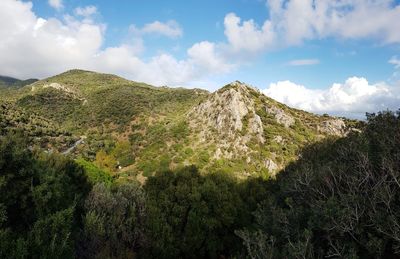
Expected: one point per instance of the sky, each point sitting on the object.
(340, 57)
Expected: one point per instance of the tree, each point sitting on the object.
(191, 215)
(41, 198)
(114, 221)
(341, 199)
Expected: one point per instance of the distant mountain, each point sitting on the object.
(141, 129)
(6, 82)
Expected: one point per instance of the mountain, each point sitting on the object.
(80, 100)
(6, 82)
(141, 129)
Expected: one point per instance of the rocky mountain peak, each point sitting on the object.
(225, 109)
(228, 118)
(239, 122)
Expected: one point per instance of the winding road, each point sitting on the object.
(69, 150)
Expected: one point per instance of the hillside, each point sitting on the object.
(141, 129)
(80, 100)
(10, 82)
(39, 130)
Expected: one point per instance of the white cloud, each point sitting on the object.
(56, 4)
(86, 11)
(352, 98)
(291, 22)
(303, 62)
(395, 61)
(247, 35)
(169, 29)
(205, 55)
(32, 46)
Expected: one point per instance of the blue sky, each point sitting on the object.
(203, 20)
(294, 44)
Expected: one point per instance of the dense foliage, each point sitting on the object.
(41, 199)
(10, 82)
(193, 215)
(341, 199)
(114, 222)
(40, 130)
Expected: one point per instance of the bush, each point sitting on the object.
(114, 221)
(41, 198)
(192, 216)
(339, 200)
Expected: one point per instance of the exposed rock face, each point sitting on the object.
(280, 116)
(229, 120)
(59, 87)
(225, 110)
(335, 127)
(256, 127)
(63, 88)
(228, 127)
(270, 165)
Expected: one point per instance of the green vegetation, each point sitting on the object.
(87, 99)
(95, 175)
(41, 131)
(114, 222)
(192, 215)
(147, 129)
(127, 189)
(10, 82)
(339, 200)
(41, 200)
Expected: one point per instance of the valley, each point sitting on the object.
(247, 129)
(236, 129)
(103, 167)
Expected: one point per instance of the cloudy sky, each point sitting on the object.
(326, 56)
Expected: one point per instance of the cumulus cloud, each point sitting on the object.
(56, 4)
(291, 22)
(206, 55)
(169, 29)
(247, 35)
(352, 98)
(303, 62)
(32, 46)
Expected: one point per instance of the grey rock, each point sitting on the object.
(336, 127)
(280, 116)
(270, 165)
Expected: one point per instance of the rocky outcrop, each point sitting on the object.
(271, 166)
(71, 93)
(225, 110)
(256, 127)
(280, 116)
(229, 120)
(336, 127)
(238, 123)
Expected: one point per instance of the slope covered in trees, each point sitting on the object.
(10, 82)
(134, 130)
(339, 200)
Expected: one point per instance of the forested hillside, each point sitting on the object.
(133, 129)
(340, 199)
